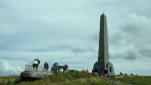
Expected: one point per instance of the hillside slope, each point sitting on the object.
(76, 78)
(69, 78)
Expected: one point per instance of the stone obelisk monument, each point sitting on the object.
(103, 65)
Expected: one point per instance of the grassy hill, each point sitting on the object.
(75, 78)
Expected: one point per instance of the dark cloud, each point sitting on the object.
(80, 50)
(77, 51)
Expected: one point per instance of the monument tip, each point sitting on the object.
(103, 14)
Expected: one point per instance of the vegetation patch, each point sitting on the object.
(76, 78)
(135, 80)
(69, 78)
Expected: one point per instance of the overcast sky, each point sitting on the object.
(67, 31)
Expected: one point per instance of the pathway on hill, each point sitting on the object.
(118, 82)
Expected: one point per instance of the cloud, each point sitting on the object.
(68, 31)
(132, 38)
(7, 69)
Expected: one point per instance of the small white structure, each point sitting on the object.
(34, 73)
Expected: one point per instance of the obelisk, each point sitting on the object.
(103, 65)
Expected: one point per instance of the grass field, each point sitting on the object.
(75, 78)
(135, 80)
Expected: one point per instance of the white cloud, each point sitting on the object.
(9, 69)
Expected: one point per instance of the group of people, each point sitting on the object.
(55, 68)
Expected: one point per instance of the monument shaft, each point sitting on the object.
(103, 55)
(103, 65)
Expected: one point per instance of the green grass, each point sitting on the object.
(8, 80)
(135, 80)
(75, 78)
(69, 78)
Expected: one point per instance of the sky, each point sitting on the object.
(66, 31)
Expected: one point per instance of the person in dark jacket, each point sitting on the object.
(95, 72)
(65, 68)
(55, 67)
(46, 66)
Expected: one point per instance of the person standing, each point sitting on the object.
(87, 71)
(46, 66)
(55, 67)
(102, 75)
(65, 68)
(35, 64)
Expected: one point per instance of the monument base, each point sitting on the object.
(106, 68)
